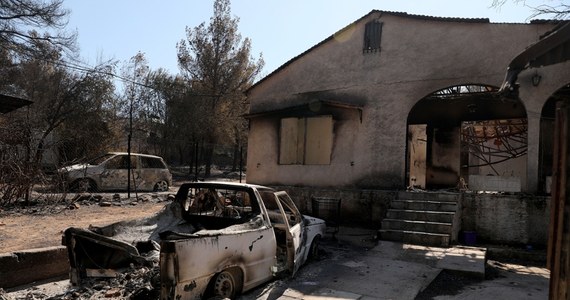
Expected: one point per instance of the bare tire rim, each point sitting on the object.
(84, 185)
(224, 285)
(161, 186)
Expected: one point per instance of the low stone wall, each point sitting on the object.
(516, 219)
(23, 267)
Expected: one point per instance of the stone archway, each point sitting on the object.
(546, 138)
(463, 132)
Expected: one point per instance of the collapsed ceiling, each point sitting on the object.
(453, 105)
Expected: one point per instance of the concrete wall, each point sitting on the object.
(418, 56)
(28, 266)
(507, 219)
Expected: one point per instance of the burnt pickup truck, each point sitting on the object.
(215, 239)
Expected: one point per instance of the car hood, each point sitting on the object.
(75, 167)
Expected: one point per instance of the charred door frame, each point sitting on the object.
(451, 106)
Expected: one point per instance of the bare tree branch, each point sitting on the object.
(558, 12)
(20, 18)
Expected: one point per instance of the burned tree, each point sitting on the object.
(560, 11)
(218, 66)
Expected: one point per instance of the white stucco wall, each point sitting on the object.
(418, 56)
(554, 77)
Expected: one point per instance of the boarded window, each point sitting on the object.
(319, 141)
(306, 140)
(291, 138)
(372, 36)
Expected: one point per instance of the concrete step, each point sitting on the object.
(420, 215)
(424, 205)
(415, 237)
(424, 226)
(429, 196)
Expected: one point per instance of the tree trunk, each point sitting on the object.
(236, 158)
(208, 155)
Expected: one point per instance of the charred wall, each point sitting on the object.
(359, 207)
(443, 164)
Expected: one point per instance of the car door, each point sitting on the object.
(138, 180)
(152, 171)
(115, 174)
(296, 237)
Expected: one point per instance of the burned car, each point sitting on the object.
(111, 172)
(215, 239)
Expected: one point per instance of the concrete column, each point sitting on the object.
(533, 137)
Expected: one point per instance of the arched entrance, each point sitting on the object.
(546, 139)
(463, 134)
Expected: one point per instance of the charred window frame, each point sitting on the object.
(152, 163)
(242, 200)
(306, 141)
(372, 36)
(121, 162)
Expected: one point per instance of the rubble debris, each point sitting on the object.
(86, 197)
(135, 283)
(138, 282)
(3, 294)
(73, 206)
(31, 294)
(114, 292)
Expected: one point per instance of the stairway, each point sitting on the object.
(423, 218)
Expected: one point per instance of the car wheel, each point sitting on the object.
(314, 249)
(227, 284)
(161, 186)
(84, 185)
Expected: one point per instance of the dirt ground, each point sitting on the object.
(41, 225)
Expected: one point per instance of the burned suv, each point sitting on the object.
(110, 172)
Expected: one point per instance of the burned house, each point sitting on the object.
(395, 101)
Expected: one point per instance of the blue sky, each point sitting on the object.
(280, 30)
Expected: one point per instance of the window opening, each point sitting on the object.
(372, 36)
